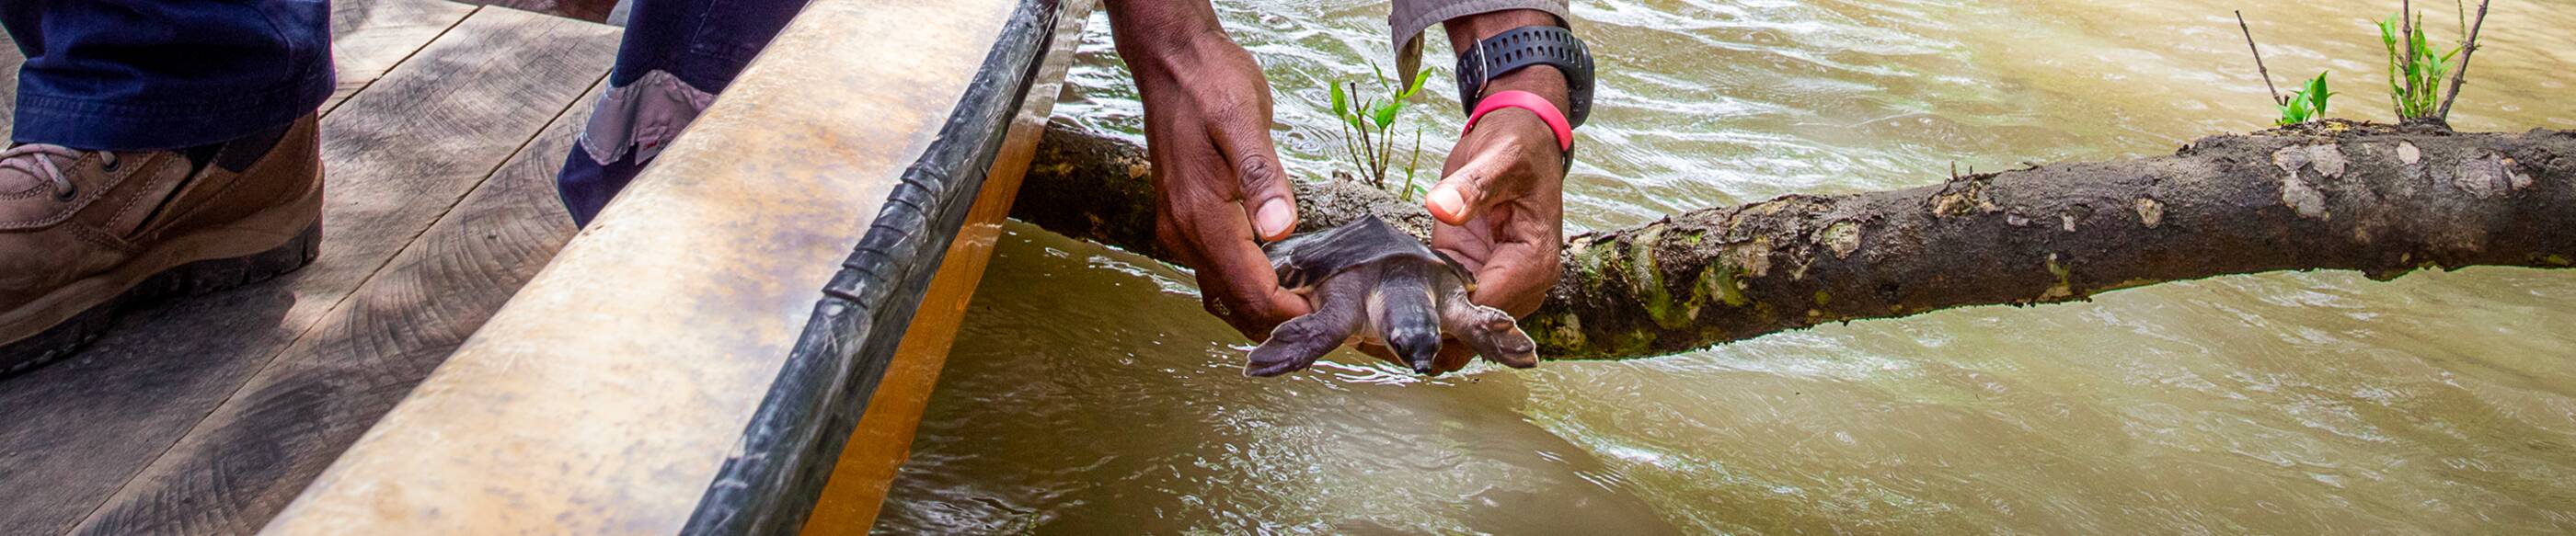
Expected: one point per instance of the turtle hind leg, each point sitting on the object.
(1295, 345)
(1491, 332)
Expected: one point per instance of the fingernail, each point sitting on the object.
(1274, 218)
(1447, 201)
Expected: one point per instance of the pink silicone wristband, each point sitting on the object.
(1527, 101)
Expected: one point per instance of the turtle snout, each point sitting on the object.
(1418, 346)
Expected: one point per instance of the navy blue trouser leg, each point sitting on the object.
(677, 55)
(165, 74)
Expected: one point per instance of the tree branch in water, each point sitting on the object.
(2379, 199)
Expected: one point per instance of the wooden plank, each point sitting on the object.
(606, 396)
(882, 441)
(397, 156)
(589, 10)
(244, 462)
(10, 59)
(368, 37)
(36, 439)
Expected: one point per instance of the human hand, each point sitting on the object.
(1217, 174)
(1500, 212)
(1501, 199)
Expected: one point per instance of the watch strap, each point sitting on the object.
(1523, 47)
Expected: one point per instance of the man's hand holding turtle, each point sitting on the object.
(1217, 171)
(1222, 192)
(1501, 198)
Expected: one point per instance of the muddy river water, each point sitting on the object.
(1089, 394)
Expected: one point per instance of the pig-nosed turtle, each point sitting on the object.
(1369, 282)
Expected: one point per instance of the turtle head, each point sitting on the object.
(1409, 316)
(1418, 342)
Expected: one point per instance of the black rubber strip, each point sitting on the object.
(770, 485)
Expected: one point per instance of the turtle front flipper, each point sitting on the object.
(1295, 345)
(1491, 332)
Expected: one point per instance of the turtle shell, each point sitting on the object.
(1305, 260)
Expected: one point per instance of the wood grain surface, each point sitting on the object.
(397, 155)
(607, 394)
(370, 37)
(882, 441)
(244, 462)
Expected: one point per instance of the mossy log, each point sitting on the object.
(2383, 200)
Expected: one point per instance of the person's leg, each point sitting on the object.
(678, 54)
(163, 148)
(134, 74)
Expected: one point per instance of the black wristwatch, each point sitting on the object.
(1523, 47)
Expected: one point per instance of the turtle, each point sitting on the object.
(1369, 282)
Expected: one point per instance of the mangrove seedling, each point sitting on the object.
(2415, 70)
(2308, 103)
(1367, 126)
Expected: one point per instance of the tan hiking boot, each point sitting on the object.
(84, 234)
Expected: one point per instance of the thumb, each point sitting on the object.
(1266, 194)
(1460, 196)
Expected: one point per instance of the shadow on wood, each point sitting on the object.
(397, 156)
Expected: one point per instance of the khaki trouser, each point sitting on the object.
(1409, 18)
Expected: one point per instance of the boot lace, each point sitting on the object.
(32, 158)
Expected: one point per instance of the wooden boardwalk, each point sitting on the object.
(208, 415)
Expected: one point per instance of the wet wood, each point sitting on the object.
(397, 155)
(2337, 195)
(244, 462)
(605, 396)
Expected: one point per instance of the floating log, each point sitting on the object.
(2342, 195)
